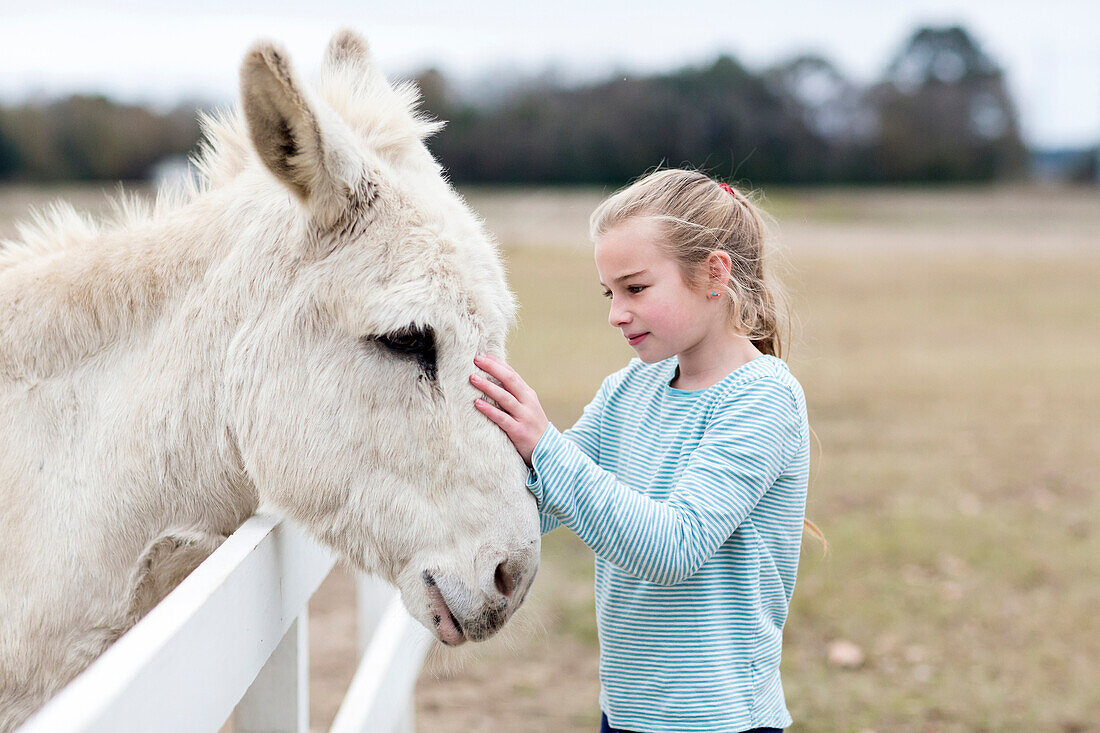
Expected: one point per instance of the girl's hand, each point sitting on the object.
(520, 415)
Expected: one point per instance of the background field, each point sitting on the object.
(949, 344)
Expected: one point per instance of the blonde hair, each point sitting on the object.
(701, 216)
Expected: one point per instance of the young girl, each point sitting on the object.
(687, 473)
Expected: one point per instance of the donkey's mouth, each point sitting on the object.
(446, 625)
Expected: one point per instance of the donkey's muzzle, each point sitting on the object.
(502, 586)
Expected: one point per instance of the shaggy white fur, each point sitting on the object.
(296, 330)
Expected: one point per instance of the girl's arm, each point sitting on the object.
(742, 453)
(547, 522)
(584, 433)
(748, 443)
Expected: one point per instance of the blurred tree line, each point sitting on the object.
(91, 138)
(940, 112)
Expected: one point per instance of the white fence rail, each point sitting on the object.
(232, 641)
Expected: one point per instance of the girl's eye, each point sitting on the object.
(632, 289)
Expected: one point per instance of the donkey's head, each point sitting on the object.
(375, 288)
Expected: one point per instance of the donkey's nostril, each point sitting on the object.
(503, 580)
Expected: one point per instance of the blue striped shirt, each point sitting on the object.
(693, 502)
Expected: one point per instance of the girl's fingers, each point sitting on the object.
(503, 397)
(490, 366)
(508, 376)
(502, 419)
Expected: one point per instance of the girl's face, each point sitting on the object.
(658, 313)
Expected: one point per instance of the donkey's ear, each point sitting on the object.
(349, 49)
(315, 158)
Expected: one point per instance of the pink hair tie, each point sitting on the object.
(728, 189)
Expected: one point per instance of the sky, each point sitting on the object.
(159, 52)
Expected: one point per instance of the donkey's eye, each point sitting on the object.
(412, 342)
(402, 342)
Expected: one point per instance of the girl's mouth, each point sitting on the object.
(635, 340)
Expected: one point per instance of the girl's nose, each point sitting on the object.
(618, 316)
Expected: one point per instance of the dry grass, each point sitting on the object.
(949, 345)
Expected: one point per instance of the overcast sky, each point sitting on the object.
(160, 52)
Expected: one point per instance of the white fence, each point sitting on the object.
(232, 642)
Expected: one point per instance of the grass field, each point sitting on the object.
(949, 346)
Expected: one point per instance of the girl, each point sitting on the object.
(687, 473)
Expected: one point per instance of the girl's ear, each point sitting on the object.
(719, 267)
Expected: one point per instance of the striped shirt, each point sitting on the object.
(693, 503)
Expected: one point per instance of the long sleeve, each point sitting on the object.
(585, 434)
(751, 437)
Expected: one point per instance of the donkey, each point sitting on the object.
(296, 331)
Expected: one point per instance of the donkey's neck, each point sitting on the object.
(62, 308)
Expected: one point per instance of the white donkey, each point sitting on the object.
(296, 332)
